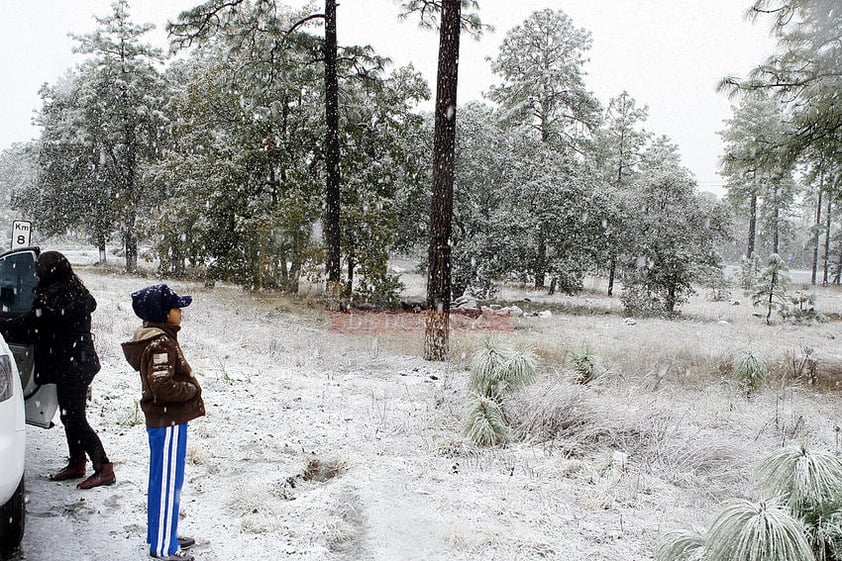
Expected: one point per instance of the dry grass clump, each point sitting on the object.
(579, 421)
(716, 468)
(544, 412)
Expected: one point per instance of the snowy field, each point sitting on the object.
(319, 446)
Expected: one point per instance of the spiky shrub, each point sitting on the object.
(495, 372)
(806, 480)
(809, 482)
(583, 363)
(764, 531)
(486, 423)
(683, 544)
(750, 372)
(803, 520)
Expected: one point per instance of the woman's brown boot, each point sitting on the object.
(75, 469)
(103, 475)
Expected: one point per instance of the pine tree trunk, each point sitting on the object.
(776, 224)
(441, 211)
(817, 229)
(130, 244)
(752, 225)
(540, 260)
(827, 231)
(349, 288)
(773, 283)
(332, 203)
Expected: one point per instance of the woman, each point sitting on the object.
(59, 325)
(171, 397)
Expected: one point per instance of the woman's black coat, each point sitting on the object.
(59, 325)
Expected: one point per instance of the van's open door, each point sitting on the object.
(17, 283)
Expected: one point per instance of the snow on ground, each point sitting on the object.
(319, 446)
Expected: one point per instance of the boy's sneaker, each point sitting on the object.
(177, 556)
(186, 542)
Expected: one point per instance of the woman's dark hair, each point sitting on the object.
(53, 267)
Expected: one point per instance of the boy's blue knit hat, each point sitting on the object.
(154, 303)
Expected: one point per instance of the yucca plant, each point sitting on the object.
(809, 482)
(584, 364)
(806, 480)
(495, 372)
(681, 544)
(764, 531)
(750, 372)
(485, 423)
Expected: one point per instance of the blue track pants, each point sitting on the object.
(167, 450)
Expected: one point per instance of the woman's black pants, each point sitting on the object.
(81, 438)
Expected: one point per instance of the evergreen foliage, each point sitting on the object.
(682, 544)
(799, 519)
(673, 241)
(750, 271)
(218, 163)
(770, 289)
(807, 481)
(485, 422)
(751, 373)
(496, 372)
(747, 531)
(583, 362)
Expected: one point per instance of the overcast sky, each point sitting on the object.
(668, 54)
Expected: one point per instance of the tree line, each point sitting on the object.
(221, 160)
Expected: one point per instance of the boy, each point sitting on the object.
(171, 397)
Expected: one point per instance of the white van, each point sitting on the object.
(21, 400)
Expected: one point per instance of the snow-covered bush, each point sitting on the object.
(640, 300)
(809, 483)
(751, 373)
(496, 371)
(770, 289)
(583, 362)
(799, 519)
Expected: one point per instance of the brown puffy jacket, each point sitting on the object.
(171, 394)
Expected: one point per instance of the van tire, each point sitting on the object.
(13, 520)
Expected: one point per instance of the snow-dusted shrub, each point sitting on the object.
(763, 531)
(749, 272)
(802, 309)
(809, 482)
(583, 362)
(485, 423)
(640, 300)
(806, 480)
(770, 289)
(800, 519)
(682, 544)
(743, 531)
(751, 373)
(496, 371)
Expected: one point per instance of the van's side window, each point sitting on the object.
(17, 283)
